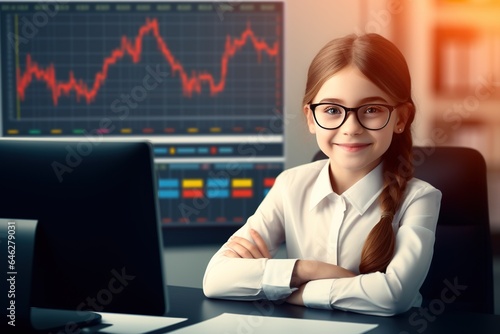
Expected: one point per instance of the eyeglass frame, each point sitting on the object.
(391, 108)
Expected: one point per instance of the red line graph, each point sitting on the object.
(191, 83)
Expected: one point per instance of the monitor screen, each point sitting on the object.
(201, 80)
(129, 68)
(98, 241)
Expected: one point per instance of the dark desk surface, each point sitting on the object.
(192, 304)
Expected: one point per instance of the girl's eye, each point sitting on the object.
(373, 110)
(333, 110)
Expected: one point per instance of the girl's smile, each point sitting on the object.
(354, 147)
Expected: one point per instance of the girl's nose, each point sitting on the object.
(351, 126)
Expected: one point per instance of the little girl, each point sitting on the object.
(359, 229)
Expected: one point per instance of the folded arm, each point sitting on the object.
(302, 272)
(396, 290)
(242, 271)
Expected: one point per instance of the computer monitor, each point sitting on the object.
(98, 240)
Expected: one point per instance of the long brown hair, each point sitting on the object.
(382, 63)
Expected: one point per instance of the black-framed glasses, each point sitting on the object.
(331, 116)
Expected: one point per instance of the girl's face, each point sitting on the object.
(352, 148)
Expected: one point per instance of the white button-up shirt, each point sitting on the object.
(302, 210)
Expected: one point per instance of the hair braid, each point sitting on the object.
(379, 246)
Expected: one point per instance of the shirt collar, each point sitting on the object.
(361, 194)
(322, 187)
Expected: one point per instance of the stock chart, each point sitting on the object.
(141, 68)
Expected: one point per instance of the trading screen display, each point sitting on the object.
(213, 193)
(140, 68)
(203, 80)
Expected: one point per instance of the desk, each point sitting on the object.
(192, 304)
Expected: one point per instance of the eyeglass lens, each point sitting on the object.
(370, 116)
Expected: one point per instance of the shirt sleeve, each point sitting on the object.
(396, 290)
(252, 279)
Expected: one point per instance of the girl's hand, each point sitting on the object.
(310, 270)
(296, 297)
(243, 248)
